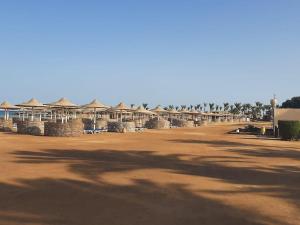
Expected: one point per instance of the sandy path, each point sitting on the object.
(179, 176)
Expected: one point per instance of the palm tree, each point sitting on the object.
(183, 107)
(246, 108)
(205, 105)
(217, 107)
(211, 107)
(231, 108)
(266, 109)
(145, 105)
(226, 106)
(238, 107)
(176, 107)
(132, 105)
(259, 107)
(171, 106)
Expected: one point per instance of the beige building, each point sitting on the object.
(286, 114)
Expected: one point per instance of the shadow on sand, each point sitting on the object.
(57, 201)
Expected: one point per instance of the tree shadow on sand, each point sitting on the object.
(63, 201)
(226, 144)
(278, 181)
(269, 153)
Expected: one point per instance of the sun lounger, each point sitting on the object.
(96, 131)
(139, 129)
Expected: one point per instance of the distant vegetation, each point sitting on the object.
(292, 103)
(257, 110)
(289, 130)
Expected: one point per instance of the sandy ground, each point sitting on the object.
(159, 177)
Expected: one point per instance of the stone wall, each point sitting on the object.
(140, 122)
(6, 125)
(101, 124)
(87, 123)
(72, 128)
(183, 123)
(156, 123)
(30, 127)
(121, 127)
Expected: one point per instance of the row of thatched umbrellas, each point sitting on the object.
(64, 106)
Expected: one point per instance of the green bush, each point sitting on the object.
(289, 130)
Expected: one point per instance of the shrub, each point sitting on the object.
(252, 129)
(289, 130)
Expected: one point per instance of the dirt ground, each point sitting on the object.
(158, 177)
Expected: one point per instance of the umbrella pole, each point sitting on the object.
(23, 115)
(94, 118)
(32, 114)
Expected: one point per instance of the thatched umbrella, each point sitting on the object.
(142, 111)
(33, 104)
(172, 112)
(7, 106)
(121, 107)
(95, 104)
(159, 110)
(193, 112)
(63, 104)
(183, 111)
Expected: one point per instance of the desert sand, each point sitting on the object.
(157, 177)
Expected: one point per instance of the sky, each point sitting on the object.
(149, 51)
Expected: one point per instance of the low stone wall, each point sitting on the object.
(6, 125)
(72, 128)
(101, 124)
(204, 122)
(121, 127)
(30, 127)
(87, 124)
(183, 123)
(140, 122)
(156, 123)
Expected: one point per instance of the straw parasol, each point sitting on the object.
(63, 104)
(33, 104)
(121, 107)
(193, 112)
(183, 111)
(95, 104)
(158, 109)
(7, 106)
(173, 111)
(142, 110)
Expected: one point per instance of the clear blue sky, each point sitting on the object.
(154, 51)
